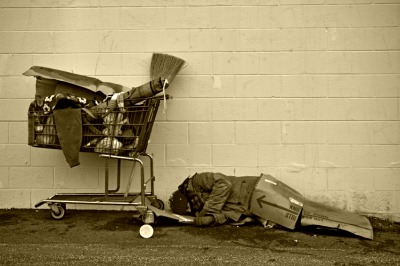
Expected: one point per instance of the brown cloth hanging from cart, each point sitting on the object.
(69, 132)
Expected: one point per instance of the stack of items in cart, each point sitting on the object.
(74, 112)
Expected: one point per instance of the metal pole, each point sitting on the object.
(118, 178)
(106, 179)
(152, 177)
(142, 184)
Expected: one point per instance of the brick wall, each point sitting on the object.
(307, 91)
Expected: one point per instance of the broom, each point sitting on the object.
(165, 66)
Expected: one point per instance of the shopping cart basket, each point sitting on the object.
(120, 133)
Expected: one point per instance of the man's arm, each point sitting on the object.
(217, 186)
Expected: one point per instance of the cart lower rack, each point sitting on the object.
(139, 200)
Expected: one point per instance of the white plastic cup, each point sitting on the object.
(146, 231)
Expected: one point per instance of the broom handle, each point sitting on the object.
(146, 90)
(164, 95)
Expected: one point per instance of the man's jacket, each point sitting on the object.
(224, 196)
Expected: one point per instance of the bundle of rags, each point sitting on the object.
(163, 69)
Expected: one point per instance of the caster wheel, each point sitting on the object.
(146, 231)
(57, 211)
(148, 217)
(159, 204)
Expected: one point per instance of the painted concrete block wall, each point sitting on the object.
(307, 91)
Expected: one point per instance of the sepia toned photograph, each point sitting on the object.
(200, 132)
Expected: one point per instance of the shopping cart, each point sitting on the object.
(120, 133)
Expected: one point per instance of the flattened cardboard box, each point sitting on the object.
(275, 201)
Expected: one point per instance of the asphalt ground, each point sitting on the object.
(86, 237)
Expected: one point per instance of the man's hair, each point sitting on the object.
(178, 202)
(195, 201)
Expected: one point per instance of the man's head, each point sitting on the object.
(178, 203)
(187, 189)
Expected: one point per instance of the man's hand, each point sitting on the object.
(204, 220)
(201, 213)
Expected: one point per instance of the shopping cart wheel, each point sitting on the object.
(159, 204)
(148, 217)
(57, 211)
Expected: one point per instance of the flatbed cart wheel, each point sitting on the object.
(57, 211)
(159, 204)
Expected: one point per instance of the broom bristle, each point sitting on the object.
(165, 66)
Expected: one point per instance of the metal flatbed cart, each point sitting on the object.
(121, 134)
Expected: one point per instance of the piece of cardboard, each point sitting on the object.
(90, 83)
(276, 202)
(318, 214)
(72, 78)
(169, 214)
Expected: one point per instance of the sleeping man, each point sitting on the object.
(214, 198)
